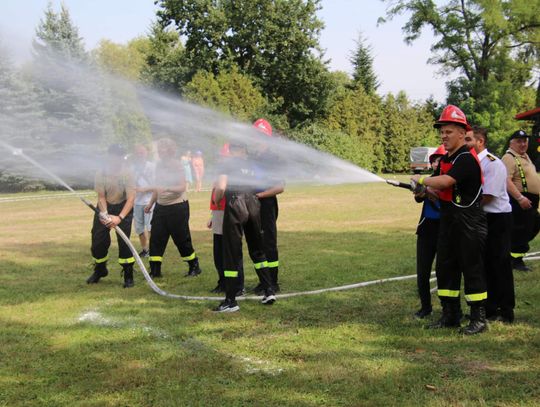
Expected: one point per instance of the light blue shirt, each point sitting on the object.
(495, 176)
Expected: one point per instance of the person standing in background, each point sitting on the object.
(427, 233)
(186, 163)
(197, 162)
(500, 302)
(523, 186)
(171, 212)
(144, 174)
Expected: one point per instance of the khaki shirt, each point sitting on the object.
(170, 175)
(531, 177)
(115, 187)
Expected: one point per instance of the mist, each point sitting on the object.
(65, 115)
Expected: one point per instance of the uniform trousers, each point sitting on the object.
(218, 263)
(426, 249)
(526, 225)
(498, 265)
(460, 250)
(171, 221)
(269, 215)
(242, 216)
(101, 237)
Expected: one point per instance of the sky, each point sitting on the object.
(397, 65)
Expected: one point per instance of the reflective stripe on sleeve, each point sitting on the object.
(517, 255)
(156, 258)
(273, 264)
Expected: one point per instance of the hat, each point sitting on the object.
(117, 149)
(518, 134)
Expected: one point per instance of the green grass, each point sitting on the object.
(64, 343)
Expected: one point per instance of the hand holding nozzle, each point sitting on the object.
(415, 187)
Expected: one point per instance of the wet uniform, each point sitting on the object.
(241, 216)
(116, 189)
(269, 216)
(171, 219)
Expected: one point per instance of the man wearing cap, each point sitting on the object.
(523, 186)
(495, 203)
(115, 188)
(463, 229)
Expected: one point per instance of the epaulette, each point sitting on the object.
(491, 157)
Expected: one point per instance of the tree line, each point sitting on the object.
(262, 58)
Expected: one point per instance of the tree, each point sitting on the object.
(57, 36)
(231, 92)
(489, 44)
(166, 65)
(275, 42)
(363, 72)
(127, 60)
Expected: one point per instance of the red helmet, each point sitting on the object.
(263, 126)
(453, 115)
(439, 152)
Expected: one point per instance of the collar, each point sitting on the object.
(517, 154)
(482, 154)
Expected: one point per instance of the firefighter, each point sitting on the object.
(463, 229)
(495, 203)
(267, 195)
(115, 188)
(237, 181)
(523, 186)
(427, 232)
(171, 212)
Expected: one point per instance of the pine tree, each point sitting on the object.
(363, 72)
(57, 36)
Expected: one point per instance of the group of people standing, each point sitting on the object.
(243, 202)
(478, 217)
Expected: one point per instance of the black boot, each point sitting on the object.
(477, 323)
(100, 270)
(155, 269)
(194, 269)
(450, 318)
(259, 288)
(274, 278)
(128, 276)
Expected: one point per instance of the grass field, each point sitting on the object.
(64, 343)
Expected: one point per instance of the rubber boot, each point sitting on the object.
(155, 269)
(100, 270)
(259, 288)
(128, 276)
(274, 278)
(194, 269)
(450, 318)
(477, 323)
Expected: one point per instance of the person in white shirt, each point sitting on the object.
(144, 173)
(500, 302)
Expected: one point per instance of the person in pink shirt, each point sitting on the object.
(197, 163)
